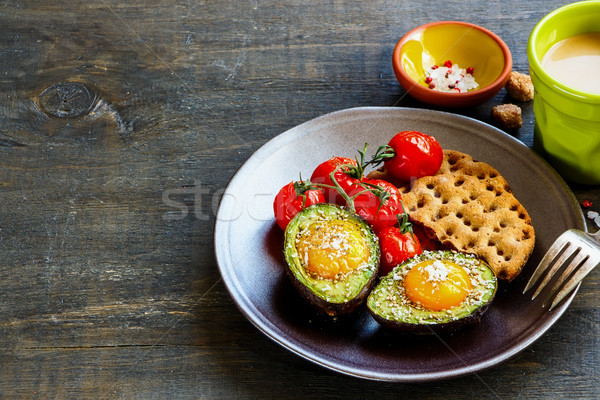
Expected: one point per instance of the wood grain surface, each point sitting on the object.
(108, 283)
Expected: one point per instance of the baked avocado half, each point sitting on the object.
(434, 292)
(332, 257)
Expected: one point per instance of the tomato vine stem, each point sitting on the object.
(357, 171)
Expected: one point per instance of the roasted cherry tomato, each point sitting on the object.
(416, 154)
(397, 243)
(293, 198)
(378, 202)
(427, 243)
(344, 175)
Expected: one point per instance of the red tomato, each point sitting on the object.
(416, 154)
(293, 198)
(396, 247)
(379, 203)
(426, 242)
(343, 176)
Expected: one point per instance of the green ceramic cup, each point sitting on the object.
(567, 120)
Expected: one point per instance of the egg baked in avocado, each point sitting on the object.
(332, 257)
(433, 292)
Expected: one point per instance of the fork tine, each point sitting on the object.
(589, 264)
(578, 252)
(566, 254)
(555, 250)
(580, 258)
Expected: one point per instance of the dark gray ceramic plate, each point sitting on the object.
(248, 248)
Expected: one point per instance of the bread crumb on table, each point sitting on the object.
(507, 116)
(519, 86)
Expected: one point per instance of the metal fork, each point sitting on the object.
(576, 253)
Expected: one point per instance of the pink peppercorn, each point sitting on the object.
(448, 64)
(470, 70)
(586, 204)
(431, 86)
(428, 79)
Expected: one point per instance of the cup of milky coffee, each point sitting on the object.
(564, 59)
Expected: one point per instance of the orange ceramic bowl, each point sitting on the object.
(465, 44)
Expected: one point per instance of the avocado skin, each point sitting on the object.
(325, 307)
(319, 303)
(430, 328)
(445, 327)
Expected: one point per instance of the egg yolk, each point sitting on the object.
(329, 249)
(437, 285)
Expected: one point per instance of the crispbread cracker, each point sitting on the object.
(468, 206)
(454, 161)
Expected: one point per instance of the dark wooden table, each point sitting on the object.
(108, 283)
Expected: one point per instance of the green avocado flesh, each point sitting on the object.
(332, 256)
(390, 305)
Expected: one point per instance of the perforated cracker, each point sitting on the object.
(453, 161)
(468, 206)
